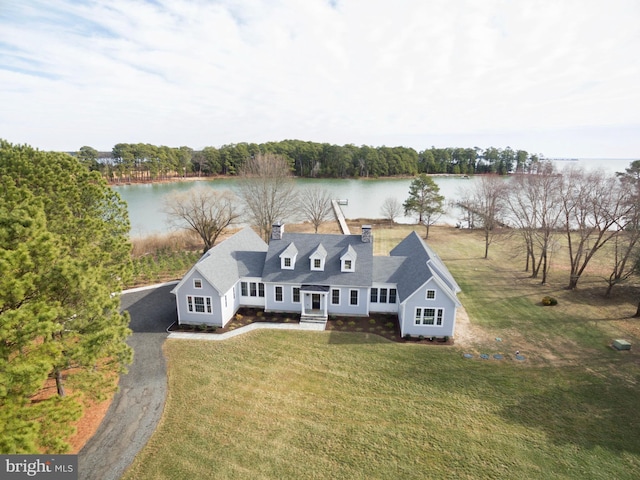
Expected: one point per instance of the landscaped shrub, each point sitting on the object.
(407, 336)
(390, 325)
(239, 317)
(339, 323)
(372, 321)
(351, 323)
(420, 337)
(549, 301)
(259, 313)
(202, 327)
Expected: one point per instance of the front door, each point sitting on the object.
(315, 301)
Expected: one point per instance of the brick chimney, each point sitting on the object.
(277, 230)
(366, 233)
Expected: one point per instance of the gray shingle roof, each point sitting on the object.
(241, 255)
(418, 264)
(307, 244)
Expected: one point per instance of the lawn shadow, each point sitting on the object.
(590, 415)
(337, 337)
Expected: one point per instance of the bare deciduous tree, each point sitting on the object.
(594, 208)
(268, 191)
(486, 201)
(534, 206)
(206, 211)
(391, 209)
(315, 205)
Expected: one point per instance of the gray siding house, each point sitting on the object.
(317, 275)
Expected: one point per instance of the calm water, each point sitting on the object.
(365, 196)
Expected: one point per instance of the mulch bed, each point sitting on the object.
(379, 324)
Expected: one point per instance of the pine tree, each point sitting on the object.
(424, 201)
(63, 251)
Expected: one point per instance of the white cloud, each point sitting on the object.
(202, 73)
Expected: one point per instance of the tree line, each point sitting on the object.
(590, 209)
(145, 162)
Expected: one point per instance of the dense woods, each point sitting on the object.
(143, 162)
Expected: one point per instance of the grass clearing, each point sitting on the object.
(273, 404)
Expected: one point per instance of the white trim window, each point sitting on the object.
(197, 304)
(197, 283)
(383, 295)
(278, 294)
(335, 296)
(295, 294)
(251, 289)
(431, 294)
(353, 298)
(393, 295)
(432, 317)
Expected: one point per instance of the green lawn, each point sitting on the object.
(277, 405)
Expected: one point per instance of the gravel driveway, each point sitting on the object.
(137, 406)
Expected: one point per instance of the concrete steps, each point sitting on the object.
(316, 319)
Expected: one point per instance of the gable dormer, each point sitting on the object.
(288, 257)
(348, 260)
(317, 258)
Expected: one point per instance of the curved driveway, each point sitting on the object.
(137, 406)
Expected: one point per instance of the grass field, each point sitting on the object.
(339, 405)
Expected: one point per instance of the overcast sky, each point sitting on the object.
(556, 77)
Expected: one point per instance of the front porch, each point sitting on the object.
(314, 304)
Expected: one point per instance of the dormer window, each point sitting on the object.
(317, 258)
(348, 260)
(288, 257)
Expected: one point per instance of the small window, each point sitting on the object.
(317, 263)
(244, 289)
(296, 294)
(353, 297)
(197, 283)
(374, 295)
(261, 290)
(253, 290)
(383, 295)
(347, 264)
(287, 262)
(278, 293)
(393, 295)
(335, 297)
(431, 294)
(418, 316)
(439, 318)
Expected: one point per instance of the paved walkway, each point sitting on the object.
(316, 327)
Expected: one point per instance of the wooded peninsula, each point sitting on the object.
(142, 162)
